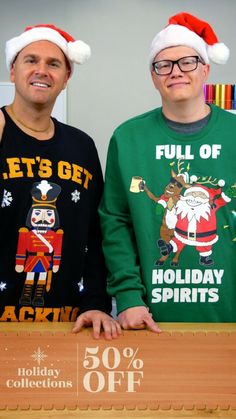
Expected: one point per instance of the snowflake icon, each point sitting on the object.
(38, 356)
(75, 196)
(3, 286)
(7, 199)
(81, 285)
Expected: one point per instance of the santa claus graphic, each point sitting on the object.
(196, 223)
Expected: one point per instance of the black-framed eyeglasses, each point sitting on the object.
(185, 64)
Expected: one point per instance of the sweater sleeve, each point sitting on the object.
(119, 244)
(94, 295)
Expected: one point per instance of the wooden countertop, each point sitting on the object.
(67, 326)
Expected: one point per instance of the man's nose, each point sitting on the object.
(176, 70)
(41, 68)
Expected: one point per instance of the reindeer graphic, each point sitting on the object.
(166, 205)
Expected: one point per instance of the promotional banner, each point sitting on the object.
(140, 369)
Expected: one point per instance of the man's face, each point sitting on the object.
(180, 86)
(40, 72)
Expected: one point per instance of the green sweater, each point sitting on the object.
(168, 217)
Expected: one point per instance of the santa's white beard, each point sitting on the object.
(184, 210)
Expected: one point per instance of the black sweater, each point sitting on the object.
(68, 160)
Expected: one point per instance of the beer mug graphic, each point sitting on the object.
(135, 185)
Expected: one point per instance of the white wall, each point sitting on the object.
(115, 83)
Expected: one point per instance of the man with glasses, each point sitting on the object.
(170, 250)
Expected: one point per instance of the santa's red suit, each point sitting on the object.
(39, 252)
(200, 233)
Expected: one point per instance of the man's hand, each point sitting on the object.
(137, 318)
(100, 321)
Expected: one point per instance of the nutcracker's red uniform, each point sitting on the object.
(39, 252)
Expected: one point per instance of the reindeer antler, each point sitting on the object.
(180, 165)
(202, 180)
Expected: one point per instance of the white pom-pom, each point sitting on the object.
(78, 52)
(193, 178)
(218, 53)
(221, 183)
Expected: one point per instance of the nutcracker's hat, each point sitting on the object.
(45, 194)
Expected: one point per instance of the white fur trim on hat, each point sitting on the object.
(76, 53)
(176, 35)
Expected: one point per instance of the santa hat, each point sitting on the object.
(185, 29)
(210, 193)
(75, 51)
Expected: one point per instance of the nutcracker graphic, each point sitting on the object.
(39, 244)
